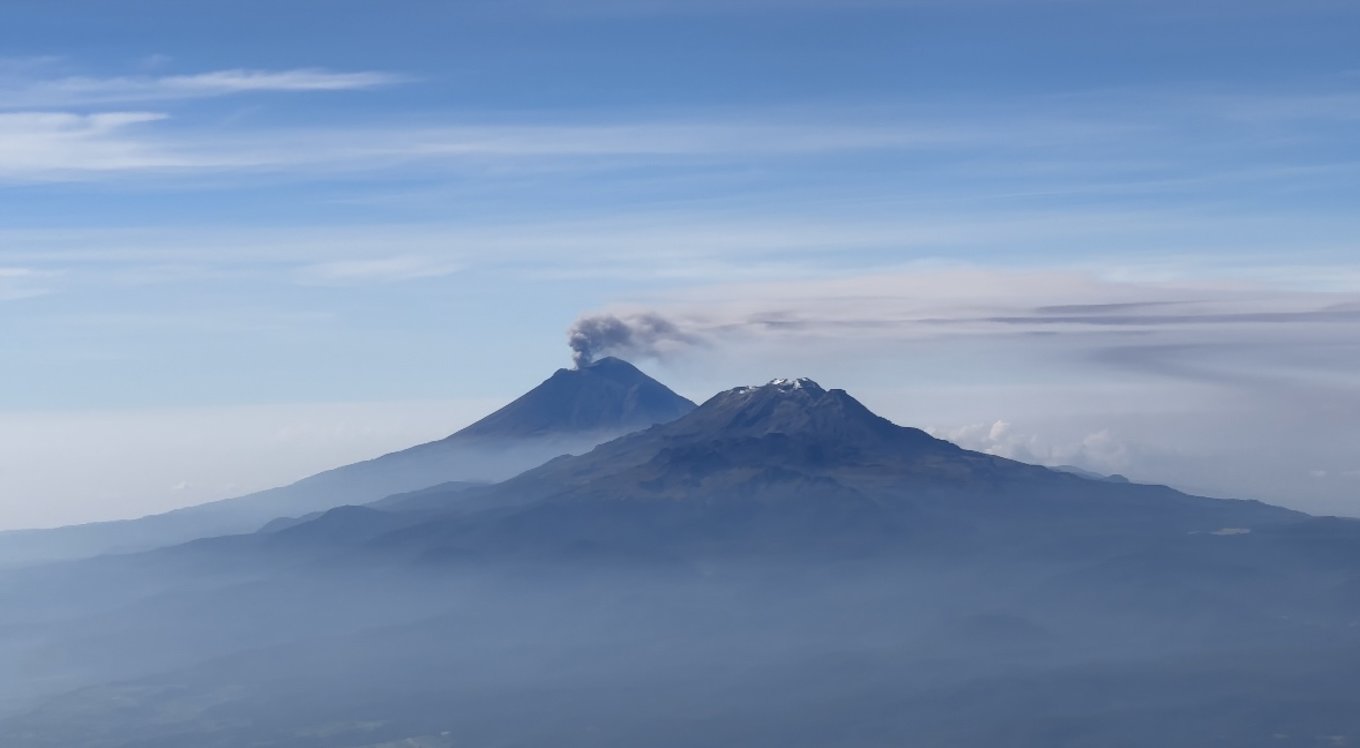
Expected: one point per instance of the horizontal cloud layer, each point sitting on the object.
(23, 89)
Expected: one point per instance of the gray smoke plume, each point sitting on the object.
(643, 335)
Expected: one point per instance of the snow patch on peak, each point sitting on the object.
(783, 385)
(800, 383)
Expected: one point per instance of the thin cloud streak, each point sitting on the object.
(22, 283)
(1156, 129)
(681, 248)
(100, 144)
(375, 270)
(25, 92)
(45, 146)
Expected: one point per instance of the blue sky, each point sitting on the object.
(241, 242)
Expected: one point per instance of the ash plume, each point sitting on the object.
(640, 335)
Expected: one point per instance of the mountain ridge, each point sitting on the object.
(789, 452)
(606, 394)
(571, 411)
(776, 535)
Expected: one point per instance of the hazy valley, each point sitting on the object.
(779, 566)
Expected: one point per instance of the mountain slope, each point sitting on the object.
(779, 567)
(608, 395)
(572, 411)
(802, 466)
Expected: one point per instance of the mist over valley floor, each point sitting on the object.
(778, 566)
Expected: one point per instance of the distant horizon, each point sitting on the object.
(435, 431)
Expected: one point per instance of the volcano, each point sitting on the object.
(790, 465)
(778, 567)
(572, 411)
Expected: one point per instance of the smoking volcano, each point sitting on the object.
(641, 335)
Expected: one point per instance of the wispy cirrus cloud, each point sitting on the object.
(22, 89)
(695, 248)
(41, 146)
(47, 144)
(48, 131)
(375, 270)
(22, 283)
(1154, 130)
